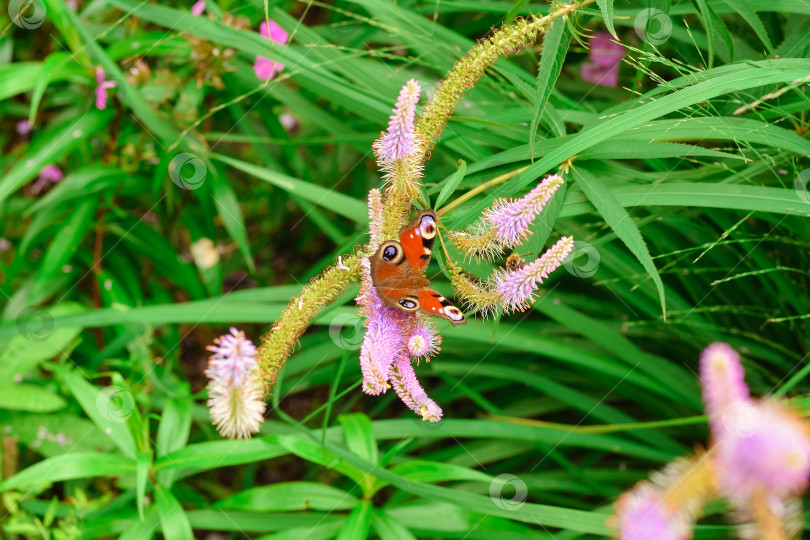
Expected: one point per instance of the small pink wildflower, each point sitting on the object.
(510, 219)
(102, 86)
(264, 67)
(198, 8)
(400, 141)
(50, 174)
(604, 59)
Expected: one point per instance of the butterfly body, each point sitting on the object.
(398, 271)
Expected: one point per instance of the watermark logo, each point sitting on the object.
(504, 485)
(583, 261)
(742, 419)
(347, 331)
(35, 325)
(115, 404)
(187, 171)
(653, 26)
(28, 14)
(800, 185)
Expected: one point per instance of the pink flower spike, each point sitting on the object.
(643, 515)
(264, 67)
(102, 86)
(400, 141)
(198, 8)
(723, 380)
(517, 287)
(604, 59)
(510, 219)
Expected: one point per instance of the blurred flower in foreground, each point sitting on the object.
(102, 86)
(50, 174)
(604, 59)
(235, 389)
(759, 460)
(264, 67)
(198, 8)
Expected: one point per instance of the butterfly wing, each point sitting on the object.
(435, 304)
(393, 279)
(417, 238)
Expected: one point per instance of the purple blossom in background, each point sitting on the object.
(400, 140)
(761, 448)
(198, 8)
(604, 59)
(23, 128)
(643, 515)
(510, 219)
(407, 387)
(234, 357)
(264, 67)
(517, 287)
(50, 174)
(102, 86)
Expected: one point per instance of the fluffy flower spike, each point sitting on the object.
(235, 390)
(507, 223)
(399, 142)
(516, 288)
(404, 381)
(643, 515)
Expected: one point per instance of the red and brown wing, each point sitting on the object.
(437, 305)
(416, 239)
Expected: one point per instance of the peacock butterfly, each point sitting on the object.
(398, 271)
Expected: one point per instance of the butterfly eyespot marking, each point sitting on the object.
(391, 252)
(409, 303)
(427, 227)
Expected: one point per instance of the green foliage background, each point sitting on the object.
(690, 206)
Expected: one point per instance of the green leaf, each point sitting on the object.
(312, 452)
(68, 467)
(622, 224)
(27, 397)
(108, 408)
(359, 436)
(388, 527)
(744, 9)
(327, 198)
(213, 454)
(606, 6)
(290, 496)
(552, 57)
(358, 523)
(65, 243)
(450, 186)
(173, 519)
(431, 472)
(142, 529)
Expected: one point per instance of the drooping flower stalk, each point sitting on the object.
(235, 390)
(407, 387)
